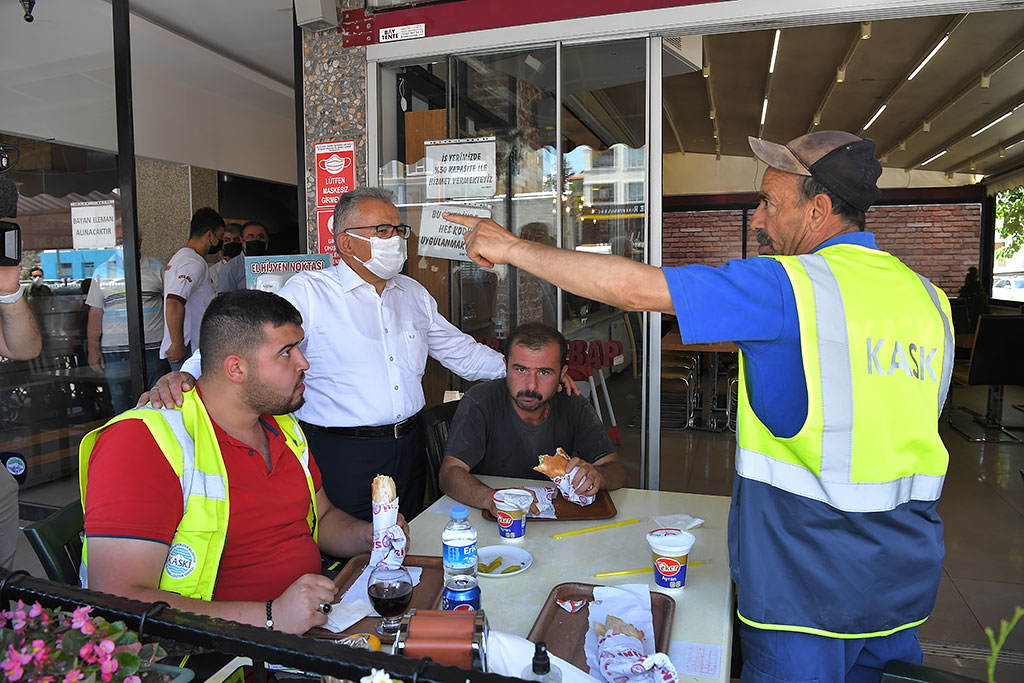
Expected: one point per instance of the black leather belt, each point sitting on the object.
(395, 431)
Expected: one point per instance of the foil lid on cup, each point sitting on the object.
(514, 497)
(671, 540)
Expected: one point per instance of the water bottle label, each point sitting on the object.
(460, 556)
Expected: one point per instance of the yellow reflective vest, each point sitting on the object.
(187, 440)
(837, 533)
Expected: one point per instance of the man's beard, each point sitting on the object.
(541, 401)
(256, 395)
(763, 239)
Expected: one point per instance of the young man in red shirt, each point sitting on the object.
(257, 559)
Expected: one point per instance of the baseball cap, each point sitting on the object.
(842, 162)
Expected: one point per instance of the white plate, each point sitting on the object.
(510, 557)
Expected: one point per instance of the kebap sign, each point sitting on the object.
(335, 171)
(443, 239)
(461, 169)
(93, 225)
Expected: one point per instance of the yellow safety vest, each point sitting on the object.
(877, 351)
(187, 439)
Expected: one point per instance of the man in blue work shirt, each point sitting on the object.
(835, 544)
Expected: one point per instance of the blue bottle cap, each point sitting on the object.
(459, 513)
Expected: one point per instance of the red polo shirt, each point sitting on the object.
(133, 493)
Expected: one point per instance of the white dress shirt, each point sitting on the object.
(367, 353)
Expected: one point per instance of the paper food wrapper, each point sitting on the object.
(545, 502)
(389, 541)
(622, 660)
(564, 484)
(630, 602)
(507, 654)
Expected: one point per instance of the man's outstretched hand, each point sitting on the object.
(487, 243)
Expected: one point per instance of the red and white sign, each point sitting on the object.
(335, 171)
(325, 234)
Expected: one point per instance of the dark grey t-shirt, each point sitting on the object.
(488, 435)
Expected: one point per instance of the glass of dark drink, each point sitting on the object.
(390, 591)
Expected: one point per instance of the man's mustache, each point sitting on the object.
(529, 394)
(763, 238)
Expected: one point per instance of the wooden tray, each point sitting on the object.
(425, 595)
(564, 633)
(601, 508)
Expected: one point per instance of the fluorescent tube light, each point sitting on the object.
(877, 114)
(925, 163)
(928, 58)
(764, 110)
(775, 51)
(982, 130)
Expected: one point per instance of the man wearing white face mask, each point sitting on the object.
(369, 331)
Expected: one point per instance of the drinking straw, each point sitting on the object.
(641, 570)
(596, 528)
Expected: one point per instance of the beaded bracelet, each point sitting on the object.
(270, 615)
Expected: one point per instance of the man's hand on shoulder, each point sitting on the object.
(168, 390)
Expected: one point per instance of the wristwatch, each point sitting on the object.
(13, 296)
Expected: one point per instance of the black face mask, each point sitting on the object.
(216, 248)
(232, 249)
(255, 248)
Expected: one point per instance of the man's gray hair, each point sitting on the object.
(347, 205)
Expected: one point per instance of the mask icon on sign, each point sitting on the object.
(335, 164)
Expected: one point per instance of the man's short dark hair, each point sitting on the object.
(34, 269)
(203, 221)
(535, 336)
(249, 224)
(348, 202)
(233, 323)
(233, 228)
(810, 187)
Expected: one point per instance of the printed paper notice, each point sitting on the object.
(93, 225)
(269, 273)
(695, 659)
(442, 239)
(460, 169)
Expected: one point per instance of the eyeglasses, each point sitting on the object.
(386, 230)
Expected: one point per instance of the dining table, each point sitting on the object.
(702, 627)
(709, 355)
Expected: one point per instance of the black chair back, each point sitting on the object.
(996, 357)
(960, 318)
(57, 541)
(436, 421)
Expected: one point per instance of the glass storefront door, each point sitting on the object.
(566, 130)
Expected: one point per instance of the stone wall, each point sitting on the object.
(168, 194)
(939, 241)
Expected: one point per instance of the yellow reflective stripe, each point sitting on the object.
(827, 634)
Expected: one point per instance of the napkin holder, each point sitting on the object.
(456, 638)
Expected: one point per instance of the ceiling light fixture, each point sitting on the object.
(775, 51)
(982, 130)
(928, 58)
(840, 75)
(877, 114)
(925, 163)
(764, 110)
(706, 71)
(865, 30)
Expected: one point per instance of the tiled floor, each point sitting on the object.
(982, 506)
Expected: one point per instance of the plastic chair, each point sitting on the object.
(436, 421)
(57, 541)
(995, 362)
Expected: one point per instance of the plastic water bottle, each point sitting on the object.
(458, 542)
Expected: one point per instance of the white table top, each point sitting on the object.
(703, 608)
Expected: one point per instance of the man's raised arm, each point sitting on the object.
(614, 280)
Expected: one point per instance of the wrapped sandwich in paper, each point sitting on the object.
(557, 467)
(622, 659)
(389, 541)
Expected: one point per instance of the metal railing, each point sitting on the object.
(159, 621)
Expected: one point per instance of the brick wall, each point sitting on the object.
(939, 241)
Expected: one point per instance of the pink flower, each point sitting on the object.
(40, 652)
(18, 619)
(86, 653)
(106, 646)
(74, 676)
(12, 665)
(80, 617)
(36, 610)
(132, 679)
(107, 669)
